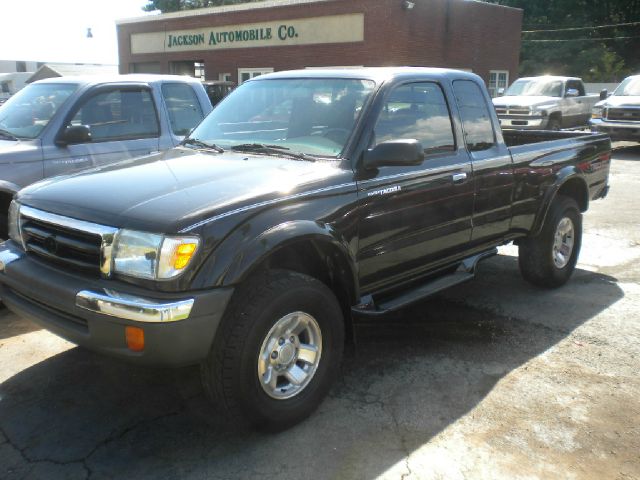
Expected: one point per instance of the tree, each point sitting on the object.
(604, 54)
(176, 5)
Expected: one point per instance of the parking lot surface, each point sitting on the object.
(492, 379)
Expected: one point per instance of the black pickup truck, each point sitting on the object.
(304, 198)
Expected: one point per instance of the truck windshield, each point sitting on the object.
(314, 116)
(629, 87)
(27, 113)
(540, 87)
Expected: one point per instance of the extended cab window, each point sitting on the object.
(417, 111)
(576, 85)
(121, 114)
(183, 107)
(474, 113)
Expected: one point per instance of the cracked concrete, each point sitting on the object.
(494, 379)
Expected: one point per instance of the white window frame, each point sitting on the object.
(494, 85)
(253, 72)
(224, 77)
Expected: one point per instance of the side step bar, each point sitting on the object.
(466, 271)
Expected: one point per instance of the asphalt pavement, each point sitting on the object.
(494, 379)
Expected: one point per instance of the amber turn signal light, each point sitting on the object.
(135, 338)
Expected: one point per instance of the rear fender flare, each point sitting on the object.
(569, 173)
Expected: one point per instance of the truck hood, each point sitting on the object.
(171, 191)
(620, 100)
(524, 101)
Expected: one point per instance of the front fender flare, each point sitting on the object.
(255, 252)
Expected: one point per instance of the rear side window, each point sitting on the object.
(417, 111)
(120, 114)
(183, 107)
(476, 120)
(576, 85)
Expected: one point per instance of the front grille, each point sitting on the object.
(513, 110)
(61, 244)
(623, 114)
(74, 243)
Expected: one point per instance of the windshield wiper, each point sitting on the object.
(7, 134)
(271, 150)
(199, 143)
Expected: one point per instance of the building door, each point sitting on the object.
(245, 74)
(498, 82)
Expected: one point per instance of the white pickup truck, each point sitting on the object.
(618, 115)
(547, 102)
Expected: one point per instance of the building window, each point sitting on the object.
(145, 67)
(498, 79)
(224, 77)
(198, 70)
(245, 74)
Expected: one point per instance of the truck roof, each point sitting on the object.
(551, 77)
(377, 74)
(135, 77)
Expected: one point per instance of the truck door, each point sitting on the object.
(578, 108)
(413, 216)
(123, 123)
(491, 161)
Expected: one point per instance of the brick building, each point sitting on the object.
(238, 42)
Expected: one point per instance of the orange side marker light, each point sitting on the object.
(135, 338)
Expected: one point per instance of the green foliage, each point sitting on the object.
(597, 55)
(175, 5)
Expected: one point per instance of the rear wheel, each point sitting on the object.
(548, 259)
(277, 351)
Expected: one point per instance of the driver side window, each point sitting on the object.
(417, 111)
(121, 114)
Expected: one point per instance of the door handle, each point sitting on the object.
(459, 178)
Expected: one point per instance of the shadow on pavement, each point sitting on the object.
(627, 152)
(12, 326)
(411, 375)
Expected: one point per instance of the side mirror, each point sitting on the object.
(572, 92)
(74, 134)
(501, 91)
(604, 94)
(394, 153)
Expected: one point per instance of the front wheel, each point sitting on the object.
(549, 258)
(277, 351)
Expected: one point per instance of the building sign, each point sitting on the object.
(304, 31)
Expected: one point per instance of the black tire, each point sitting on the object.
(536, 254)
(4, 226)
(230, 373)
(554, 124)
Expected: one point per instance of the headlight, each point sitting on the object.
(596, 112)
(152, 256)
(13, 219)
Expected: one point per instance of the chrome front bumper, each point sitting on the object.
(133, 308)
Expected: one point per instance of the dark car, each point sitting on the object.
(217, 90)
